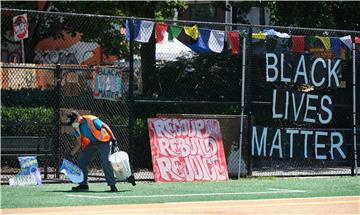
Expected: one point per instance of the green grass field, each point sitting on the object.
(52, 195)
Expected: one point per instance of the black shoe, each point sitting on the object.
(81, 187)
(113, 188)
(131, 180)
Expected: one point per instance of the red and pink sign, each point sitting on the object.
(20, 25)
(187, 150)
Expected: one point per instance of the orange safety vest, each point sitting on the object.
(101, 135)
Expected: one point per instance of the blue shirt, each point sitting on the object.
(85, 131)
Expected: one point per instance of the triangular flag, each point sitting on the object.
(259, 36)
(357, 40)
(347, 41)
(160, 29)
(192, 32)
(234, 41)
(216, 41)
(325, 41)
(173, 32)
(298, 43)
(282, 35)
(272, 32)
(202, 43)
(136, 24)
(146, 29)
(335, 45)
(310, 41)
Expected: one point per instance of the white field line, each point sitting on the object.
(271, 191)
(276, 199)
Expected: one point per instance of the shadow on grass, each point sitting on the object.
(90, 191)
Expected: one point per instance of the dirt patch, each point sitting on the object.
(322, 205)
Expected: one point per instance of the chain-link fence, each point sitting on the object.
(125, 78)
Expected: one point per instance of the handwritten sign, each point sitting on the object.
(298, 105)
(187, 150)
(108, 83)
(20, 26)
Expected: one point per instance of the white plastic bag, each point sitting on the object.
(73, 172)
(120, 164)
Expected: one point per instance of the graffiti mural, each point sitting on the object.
(187, 150)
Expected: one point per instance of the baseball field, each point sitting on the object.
(265, 195)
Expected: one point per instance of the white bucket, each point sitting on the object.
(120, 164)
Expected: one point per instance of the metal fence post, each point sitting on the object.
(354, 110)
(248, 106)
(131, 93)
(57, 119)
(243, 71)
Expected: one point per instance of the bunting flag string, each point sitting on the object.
(207, 40)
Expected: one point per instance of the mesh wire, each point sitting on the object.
(180, 83)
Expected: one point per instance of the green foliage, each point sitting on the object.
(28, 97)
(93, 29)
(18, 121)
(316, 14)
(207, 77)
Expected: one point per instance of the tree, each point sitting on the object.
(99, 30)
(316, 14)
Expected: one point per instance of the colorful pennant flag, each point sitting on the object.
(357, 40)
(160, 29)
(335, 46)
(272, 32)
(202, 43)
(325, 41)
(193, 31)
(146, 29)
(216, 41)
(298, 43)
(347, 41)
(310, 41)
(142, 30)
(259, 36)
(173, 32)
(234, 41)
(136, 24)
